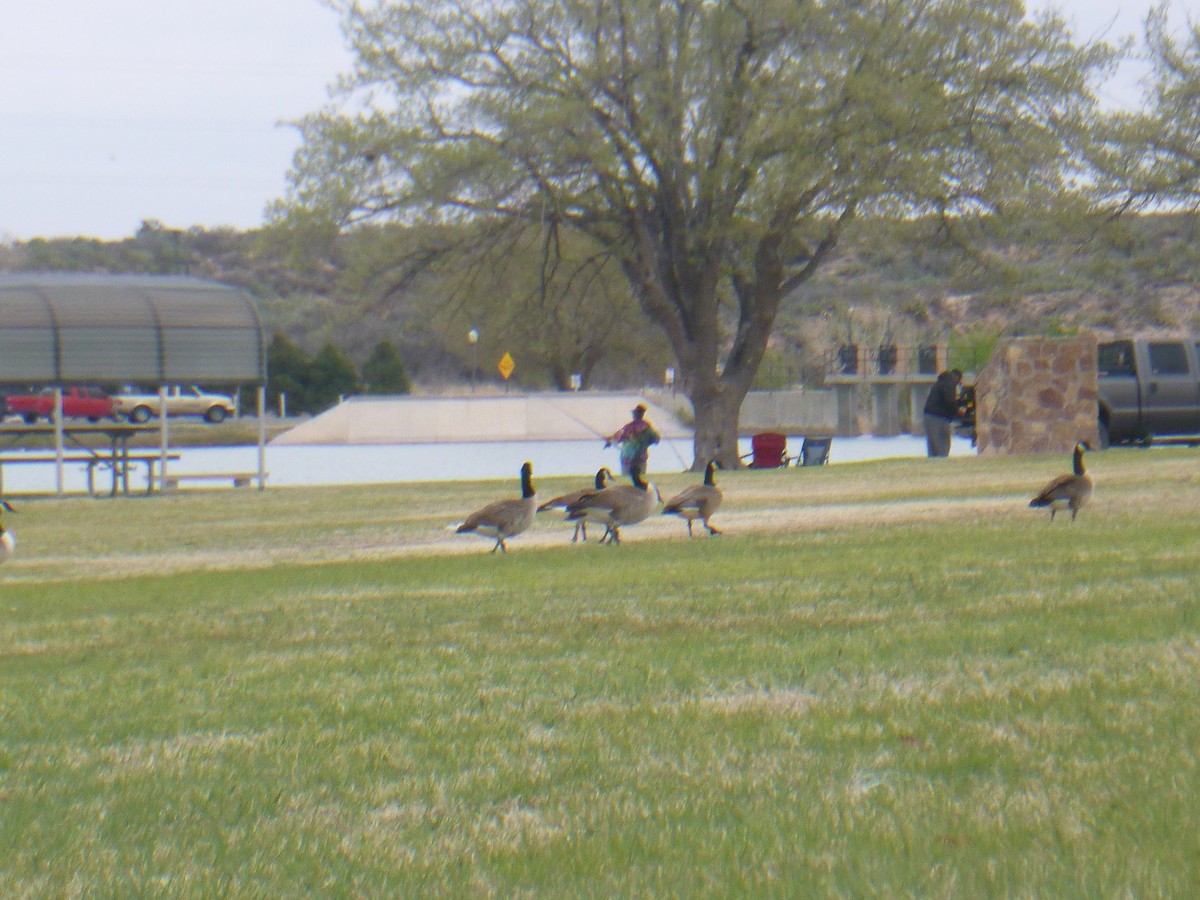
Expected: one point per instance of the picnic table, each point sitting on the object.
(97, 445)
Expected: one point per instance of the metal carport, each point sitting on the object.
(61, 329)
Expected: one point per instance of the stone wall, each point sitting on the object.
(1037, 395)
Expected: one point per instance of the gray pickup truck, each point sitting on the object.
(1148, 386)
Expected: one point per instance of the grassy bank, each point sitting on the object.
(230, 433)
(885, 679)
(189, 432)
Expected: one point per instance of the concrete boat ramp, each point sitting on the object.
(444, 420)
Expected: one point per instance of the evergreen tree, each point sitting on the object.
(330, 376)
(384, 371)
(287, 373)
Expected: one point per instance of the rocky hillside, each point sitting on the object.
(907, 283)
(901, 286)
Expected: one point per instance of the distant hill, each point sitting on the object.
(907, 282)
(910, 285)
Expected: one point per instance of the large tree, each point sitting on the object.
(558, 302)
(1154, 157)
(716, 148)
(553, 299)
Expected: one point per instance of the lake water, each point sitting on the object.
(375, 464)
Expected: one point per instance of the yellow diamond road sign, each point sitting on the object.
(506, 366)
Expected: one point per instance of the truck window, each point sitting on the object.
(1115, 359)
(1168, 359)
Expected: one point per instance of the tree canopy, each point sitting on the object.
(555, 300)
(717, 150)
(1155, 158)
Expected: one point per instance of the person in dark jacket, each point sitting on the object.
(941, 409)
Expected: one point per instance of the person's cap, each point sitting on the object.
(641, 407)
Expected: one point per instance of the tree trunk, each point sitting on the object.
(716, 427)
(686, 307)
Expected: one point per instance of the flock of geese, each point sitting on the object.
(617, 505)
(612, 505)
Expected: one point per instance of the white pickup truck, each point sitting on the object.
(181, 401)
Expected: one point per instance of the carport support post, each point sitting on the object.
(58, 441)
(262, 436)
(163, 442)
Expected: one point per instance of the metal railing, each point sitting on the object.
(886, 360)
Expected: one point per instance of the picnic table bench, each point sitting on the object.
(172, 480)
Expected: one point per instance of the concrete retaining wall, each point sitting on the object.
(790, 412)
(430, 420)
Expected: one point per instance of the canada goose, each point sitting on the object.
(8, 543)
(620, 504)
(1071, 490)
(565, 500)
(504, 518)
(699, 501)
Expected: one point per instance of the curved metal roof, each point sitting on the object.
(154, 329)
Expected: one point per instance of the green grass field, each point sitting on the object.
(885, 679)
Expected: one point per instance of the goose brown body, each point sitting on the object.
(618, 505)
(564, 501)
(505, 518)
(1071, 490)
(698, 501)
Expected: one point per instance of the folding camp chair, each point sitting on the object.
(815, 451)
(768, 451)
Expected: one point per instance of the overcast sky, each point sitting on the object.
(117, 111)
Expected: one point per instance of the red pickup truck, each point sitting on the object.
(78, 403)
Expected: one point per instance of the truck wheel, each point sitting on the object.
(140, 414)
(30, 418)
(215, 414)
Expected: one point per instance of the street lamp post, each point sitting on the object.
(473, 340)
